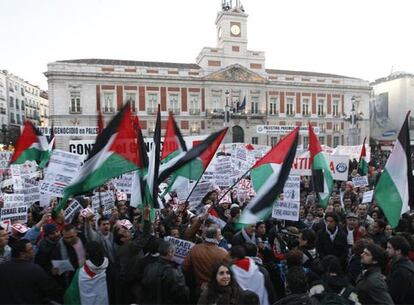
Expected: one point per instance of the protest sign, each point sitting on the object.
(6, 225)
(367, 197)
(287, 208)
(14, 214)
(23, 170)
(283, 129)
(106, 199)
(201, 189)
(5, 157)
(124, 183)
(63, 168)
(71, 210)
(360, 181)
(44, 200)
(182, 248)
(352, 152)
(86, 212)
(218, 221)
(13, 200)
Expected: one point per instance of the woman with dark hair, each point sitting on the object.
(222, 288)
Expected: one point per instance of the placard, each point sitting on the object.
(182, 248)
(201, 190)
(14, 214)
(360, 181)
(367, 197)
(107, 200)
(286, 210)
(13, 200)
(124, 183)
(71, 210)
(63, 168)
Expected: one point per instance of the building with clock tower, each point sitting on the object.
(227, 85)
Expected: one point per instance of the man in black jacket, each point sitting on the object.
(401, 279)
(23, 282)
(162, 282)
(44, 252)
(332, 239)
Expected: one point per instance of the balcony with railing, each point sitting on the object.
(321, 114)
(194, 111)
(108, 109)
(306, 114)
(274, 112)
(75, 109)
(152, 110)
(174, 110)
(290, 113)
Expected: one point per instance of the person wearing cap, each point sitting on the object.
(353, 230)
(401, 278)
(43, 255)
(370, 285)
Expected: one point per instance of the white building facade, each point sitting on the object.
(200, 94)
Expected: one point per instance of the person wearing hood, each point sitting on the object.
(89, 285)
(247, 274)
(401, 278)
(371, 287)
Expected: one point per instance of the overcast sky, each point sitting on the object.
(359, 38)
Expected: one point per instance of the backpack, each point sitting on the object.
(332, 298)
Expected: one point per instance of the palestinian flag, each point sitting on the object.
(363, 164)
(30, 146)
(151, 190)
(137, 195)
(394, 192)
(268, 176)
(88, 285)
(322, 179)
(113, 154)
(198, 158)
(173, 146)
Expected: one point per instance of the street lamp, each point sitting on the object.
(227, 109)
(353, 118)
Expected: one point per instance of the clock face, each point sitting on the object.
(235, 29)
(220, 33)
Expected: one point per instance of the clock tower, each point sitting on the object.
(231, 36)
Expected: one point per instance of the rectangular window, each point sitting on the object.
(254, 105)
(305, 106)
(321, 127)
(335, 141)
(11, 102)
(322, 140)
(194, 104)
(75, 103)
(17, 104)
(255, 140)
(195, 128)
(305, 142)
(173, 103)
(12, 118)
(152, 103)
(131, 97)
(336, 127)
(217, 108)
(23, 118)
(18, 119)
(290, 106)
(108, 99)
(273, 141)
(335, 108)
(321, 107)
(273, 106)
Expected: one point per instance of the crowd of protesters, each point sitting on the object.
(344, 253)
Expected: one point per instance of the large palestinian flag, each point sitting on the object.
(269, 175)
(31, 145)
(363, 164)
(395, 188)
(322, 179)
(198, 157)
(113, 154)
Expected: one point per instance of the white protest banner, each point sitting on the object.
(69, 131)
(63, 168)
(201, 189)
(23, 170)
(14, 214)
(31, 193)
(71, 210)
(124, 183)
(288, 207)
(182, 248)
(360, 181)
(338, 165)
(282, 129)
(13, 200)
(44, 200)
(286, 210)
(106, 199)
(367, 197)
(5, 157)
(81, 147)
(352, 152)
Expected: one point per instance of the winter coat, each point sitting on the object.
(372, 289)
(23, 282)
(44, 253)
(401, 281)
(163, 283)
(297, 299)
(337, 247)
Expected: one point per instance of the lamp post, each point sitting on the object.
(227, 109)
(354, 117)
